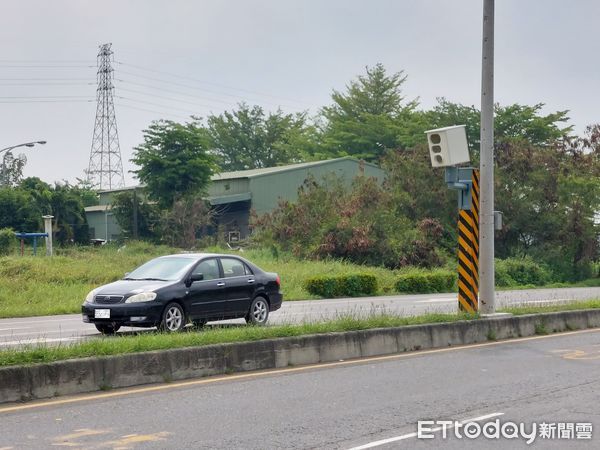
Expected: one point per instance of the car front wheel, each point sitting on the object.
(259, 312)
(173, 318)
(107, 328)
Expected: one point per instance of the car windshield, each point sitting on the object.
(162, 269)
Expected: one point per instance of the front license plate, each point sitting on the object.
(102, 314)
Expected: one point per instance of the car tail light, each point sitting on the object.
(278, 281)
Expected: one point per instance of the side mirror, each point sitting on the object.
(197, 277)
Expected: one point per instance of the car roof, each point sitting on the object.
(196, 255)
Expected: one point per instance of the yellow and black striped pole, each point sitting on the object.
(468, 251)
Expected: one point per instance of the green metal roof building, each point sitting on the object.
(234, 194)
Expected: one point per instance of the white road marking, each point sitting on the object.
(37, 341)
(412, 435)
(43, 333)
(20, 328)
(42, 320)
(439, 300)
(549, 302)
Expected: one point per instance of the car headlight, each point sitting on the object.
(143, 297)
(90, 297)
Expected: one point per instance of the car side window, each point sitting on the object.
(233, 268)
(209, 268)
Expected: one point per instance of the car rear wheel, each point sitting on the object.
(259, 312)
(107, 328)
(173, 318)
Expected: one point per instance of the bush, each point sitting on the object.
(502, 278)
(8, 240)
(361, 223)
(342, 286)
(423, 282)
(521, 272)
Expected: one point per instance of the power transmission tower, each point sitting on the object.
(105, 170)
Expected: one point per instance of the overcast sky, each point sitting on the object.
(209, 55)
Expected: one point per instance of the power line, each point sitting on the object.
(46, 101)
(168, 98)
(44, 61)
(15, 97)
(156, 104)
(3, 66)
(150, 111)
(162, 80)
(43, 83)
(159, 88)
(209, 82)
(46, 79)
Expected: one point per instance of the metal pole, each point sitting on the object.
(486, 261)
(48, 231)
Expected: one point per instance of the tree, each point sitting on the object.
(419, 191)
(522, 122)
(64, 202)
(11, 171)
(247, 138)
(69, 223)
(182, 223)
(85, 190)
(550, 195)
(148, 215)
(370, 117)
(19, 211)
(174, 161)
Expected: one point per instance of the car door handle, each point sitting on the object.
(220, 284)
(250, 281)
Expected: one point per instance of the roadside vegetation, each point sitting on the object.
(396, 237)
(34, 286)
(147, 341)
(219, 334)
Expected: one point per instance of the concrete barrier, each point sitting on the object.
(22, 383)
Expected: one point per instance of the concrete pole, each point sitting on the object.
(486, 243)
(48, 230)
(106, 225)
(135, 215)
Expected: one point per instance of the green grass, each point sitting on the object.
(34, 286)
(520, 310)
(147, 341)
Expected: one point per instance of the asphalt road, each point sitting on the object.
(370, 403)
(70, 328)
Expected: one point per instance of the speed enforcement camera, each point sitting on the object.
(448, 146)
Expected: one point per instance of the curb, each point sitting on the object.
(76, 376)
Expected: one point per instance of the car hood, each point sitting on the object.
(124, 287)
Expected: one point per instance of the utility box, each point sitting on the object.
(448, 146)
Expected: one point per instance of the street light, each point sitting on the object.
(3, 175)
(26, 144)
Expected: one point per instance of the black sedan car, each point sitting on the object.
(170, 291)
